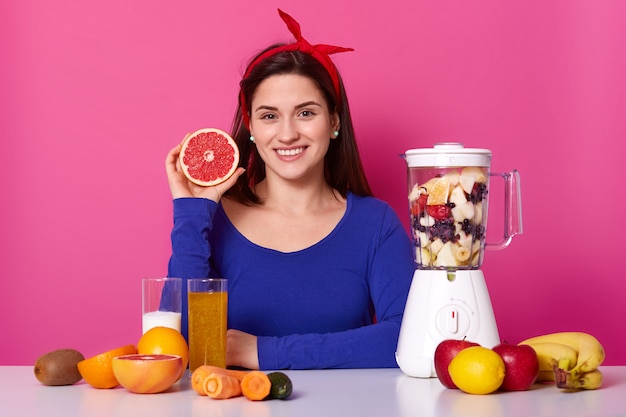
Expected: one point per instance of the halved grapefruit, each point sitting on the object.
(209, 157)
(147, 374)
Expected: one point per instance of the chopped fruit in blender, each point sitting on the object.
(453, 177)
(467, 182)
(462, 254)
(435, 247)
(478, 216)
(464, 238)
(450, 255)
(471, 229)
(446, 257)
(418, 206)
(415, 193)
(443, 211)
(476, 172)
(462, 208)
(439, 212)
(444, 230)
(457, 196)
(427, 187)
(478, 192)
(425, 257)
(439, 192)
(463, 211)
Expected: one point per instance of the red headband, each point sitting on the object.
(319, 52)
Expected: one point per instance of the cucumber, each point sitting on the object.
(281, 385)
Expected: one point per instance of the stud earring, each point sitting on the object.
(336, 133)
(251, 138)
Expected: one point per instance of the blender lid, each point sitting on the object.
(448, 154)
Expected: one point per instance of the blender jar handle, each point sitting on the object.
(512, 209)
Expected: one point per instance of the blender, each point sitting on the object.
(448, 299)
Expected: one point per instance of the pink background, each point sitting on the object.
(94, 94)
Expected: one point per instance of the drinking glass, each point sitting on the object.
(208, 309)
(161, 303)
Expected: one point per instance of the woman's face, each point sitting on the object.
(292, 126)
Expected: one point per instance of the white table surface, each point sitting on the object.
(325, 393)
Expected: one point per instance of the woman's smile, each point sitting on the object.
(290, 151)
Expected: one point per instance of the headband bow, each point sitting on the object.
(320, 52)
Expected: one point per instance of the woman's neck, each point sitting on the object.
(291, 197)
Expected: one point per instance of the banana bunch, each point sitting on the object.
(571, 359)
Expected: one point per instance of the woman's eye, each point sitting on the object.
(268, 116)
(306, 113)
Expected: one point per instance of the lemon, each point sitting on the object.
(477, 370)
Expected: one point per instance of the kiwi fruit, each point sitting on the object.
(59, 367)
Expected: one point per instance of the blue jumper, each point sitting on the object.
(335, 304)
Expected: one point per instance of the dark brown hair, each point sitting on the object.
(343, 168)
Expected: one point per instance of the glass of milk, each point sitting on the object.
(161, 303)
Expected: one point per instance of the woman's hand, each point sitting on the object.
(180, 186)
(241, 349)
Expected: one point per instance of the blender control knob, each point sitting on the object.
(452, 321)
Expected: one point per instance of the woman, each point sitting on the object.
(318, 269)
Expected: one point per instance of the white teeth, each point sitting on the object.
(289, 152)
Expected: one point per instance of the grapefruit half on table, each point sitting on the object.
(209, 157)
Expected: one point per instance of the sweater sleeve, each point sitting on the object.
(193, 220)
(371, 346)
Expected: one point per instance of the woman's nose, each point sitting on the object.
(287, 131)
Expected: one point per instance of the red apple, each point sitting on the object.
(521, 366)
(444, 353)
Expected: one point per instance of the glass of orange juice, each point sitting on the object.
(208, 308)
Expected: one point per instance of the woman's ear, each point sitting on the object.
(336, 123)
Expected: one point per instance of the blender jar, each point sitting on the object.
(448, 200)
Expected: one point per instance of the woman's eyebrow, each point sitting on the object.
(308, 103)
(299, 106)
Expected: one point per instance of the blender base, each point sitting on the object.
(440, 308)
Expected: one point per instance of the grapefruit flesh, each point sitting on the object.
(209, 157)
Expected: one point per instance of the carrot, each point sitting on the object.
(197, 378)
(221, 386)
(239, 374)
(256, 385)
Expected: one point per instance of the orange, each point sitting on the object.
(428, 185)
(98, 370)
(438, 193)
(164, 341)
